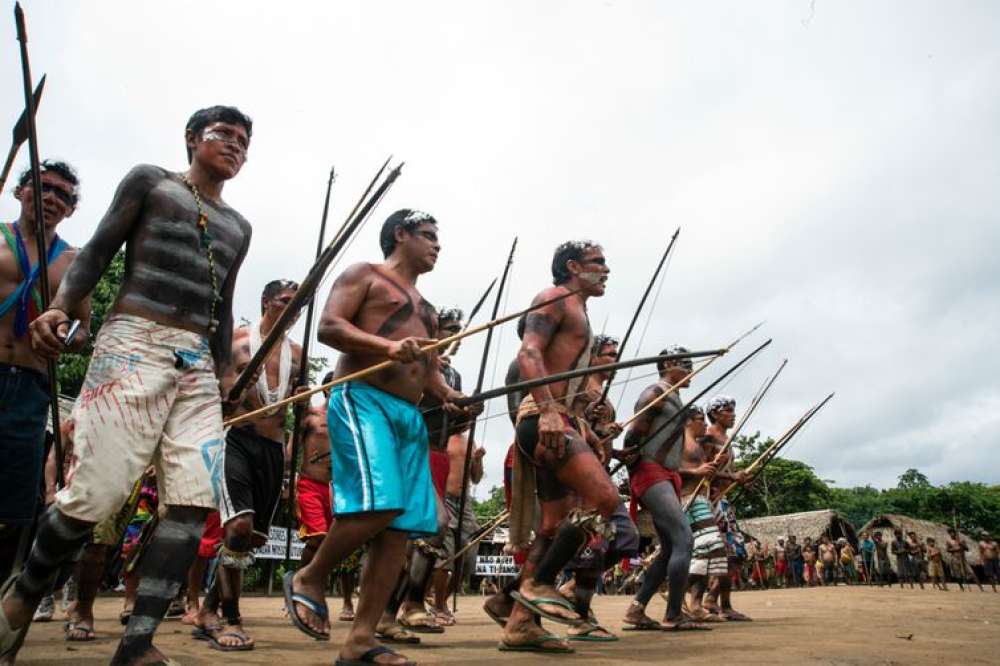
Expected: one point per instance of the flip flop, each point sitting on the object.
(444, 617)
(684, 624)
(369, 658)
(292, 598)
(10, 639)
(88, 632)
(534, 607)
(588, 634)
(421, 622)
(735, 616)
(346, 616)
(645, 624)
(396, 634)
(536, 645)
(496, 617)
(246, 646)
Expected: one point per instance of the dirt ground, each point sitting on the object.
(824, 625)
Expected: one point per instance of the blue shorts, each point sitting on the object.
(379, 458)
(24, 407)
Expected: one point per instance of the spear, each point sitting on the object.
(638, 310)
(684, 409)
(472, 315)
(663, 396)
(471, 438)
(309, 285)
(303, 378)
(736, 431)
(768, 454)
(557, 377)
(20, 134)
(382, 365)
(43, 259)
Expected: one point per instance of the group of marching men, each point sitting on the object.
(389, 443)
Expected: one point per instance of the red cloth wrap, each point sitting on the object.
(643, 476)
(313, 505)
(440, 464)
(211, 537)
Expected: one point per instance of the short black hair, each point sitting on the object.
(61, 169)
(328, 377)
(602, 340)
(450, 314)
(522, 323)
(568, 251)
(202, 118)
(409, 219)
(275, 287)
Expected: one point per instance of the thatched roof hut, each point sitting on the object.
(887, 522)
(811, 524)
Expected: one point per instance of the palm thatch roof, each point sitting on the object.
(811, 524)
(887, 522)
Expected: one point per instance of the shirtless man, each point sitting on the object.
(781, 565)
(253, 466)
(828, 556)
(709, 549)
(917, 559)
(935, 565)
(151, 391)
(600, 555)
(658, 437)
(557, 338)
(24, 382)
(721, 413)
(882, 565)
(378, 440)
(901, 552)
(989, 553)
(809, 575)
(961, 569)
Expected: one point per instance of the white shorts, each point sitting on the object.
(150, 396)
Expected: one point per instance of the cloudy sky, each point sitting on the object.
(832, 166)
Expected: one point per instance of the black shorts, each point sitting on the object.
(549, 487)
(253, 469)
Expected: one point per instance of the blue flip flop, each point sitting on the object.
(292, 598)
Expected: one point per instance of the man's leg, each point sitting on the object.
(346, 535)
(164, 565)
(195, 580)
(88, 574)
(234, 557)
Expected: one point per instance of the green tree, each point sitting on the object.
(72, 367)
(491, 507)
(912, 479)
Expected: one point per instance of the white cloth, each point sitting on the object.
(267, 395)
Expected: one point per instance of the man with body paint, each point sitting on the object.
(24, 384)
(550, 435)
(253, 467)
(657, 436)
(721, 413)
(152, 388)
(375, 313)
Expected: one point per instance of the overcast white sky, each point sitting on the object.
(832, 166)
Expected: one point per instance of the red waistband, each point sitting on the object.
(643, 476)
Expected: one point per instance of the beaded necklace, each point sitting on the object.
(206, 245)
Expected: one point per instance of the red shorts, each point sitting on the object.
(440, 464)
(780, 567)
(508, 476)
(211, 537)
(313, 502)
(644, 475)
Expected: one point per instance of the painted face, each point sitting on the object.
(593, 271)
(223, 148)
(696, 424)
(607, 354)
(422, 245)
(58, 199)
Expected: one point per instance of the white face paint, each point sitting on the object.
(418, 216)
(593, 277)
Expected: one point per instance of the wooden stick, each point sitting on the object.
(378, 367)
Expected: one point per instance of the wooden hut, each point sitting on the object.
(888, 522)
(813, 524)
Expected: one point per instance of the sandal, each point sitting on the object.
(535, 606)
(319, 609)
(369, 658)
(394, 633)
(683, 623)
(421, 622)
(216, 632)
(86, 634)
(537, 645)
(591, 632)
(444, 617)
(645, 624)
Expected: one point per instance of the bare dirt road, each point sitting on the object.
(823, 625)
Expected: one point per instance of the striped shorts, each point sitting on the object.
(708, 557)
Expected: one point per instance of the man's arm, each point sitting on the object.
(539, 329)
(640, 427)
(222, 346)
(477, 464)
(71, 300)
